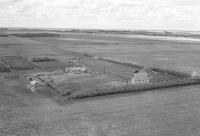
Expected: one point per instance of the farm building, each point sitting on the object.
(76, 69)
(140, 77)
(195, 74)
(34, 83)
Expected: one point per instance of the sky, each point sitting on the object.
(102, 14)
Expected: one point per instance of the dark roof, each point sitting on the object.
(136, 71)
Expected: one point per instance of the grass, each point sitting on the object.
(61, 89)
(115, 61)
(111, 69)
(155, 76)
(51, 65)
(3, 68)
(74, 89)
(18, 63)
(161, 74)
(66, 84)
(122, 63)
(167, 71)
(132, 88)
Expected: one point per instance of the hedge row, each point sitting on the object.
(44, 59)
(171, 72)
(132, 88)
(116, 61)
(122, 63)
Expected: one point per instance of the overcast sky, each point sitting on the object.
(105, 14)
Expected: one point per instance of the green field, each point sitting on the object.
(3, 68)
(177, 55)
(18, 63)
(51, 65)
(65, 84)
(162, 112)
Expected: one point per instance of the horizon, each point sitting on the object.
(60, 28)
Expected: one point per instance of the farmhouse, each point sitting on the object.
(195, 74)
(140, 77)
(76, 69)
(33, 83)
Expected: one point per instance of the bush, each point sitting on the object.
(87, 55)
(65, 92)
(171, 72)
(122, 63)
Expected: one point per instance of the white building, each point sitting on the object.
(195, 74)
(140, 77)
(76, 69)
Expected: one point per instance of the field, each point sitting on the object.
(114, 70)
(176, 55)
(36, 35)
(51, 65)
(65, 84)
(123, 70)
(168, 112)
(18, 63)
(3, 68)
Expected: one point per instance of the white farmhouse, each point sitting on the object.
(76, 69)
(140, 77)
(195, 74)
